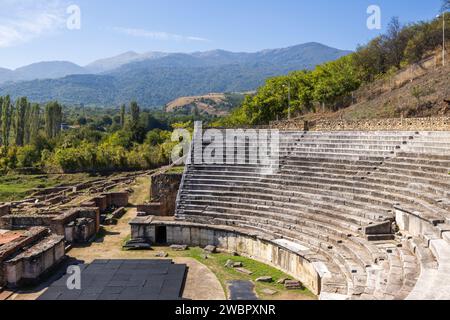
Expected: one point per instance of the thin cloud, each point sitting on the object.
(156, 35)
(22, 20)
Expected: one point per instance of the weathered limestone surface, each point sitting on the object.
(28, 266)
(27, 258)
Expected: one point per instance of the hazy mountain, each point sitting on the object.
(41, 70)
(108, 64)
(5, 75)
(154, 79)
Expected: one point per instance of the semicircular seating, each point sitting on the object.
(337, 193)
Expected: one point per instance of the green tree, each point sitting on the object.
(34, 122)
(135, 113)
(53, 119)
(122, 116)
(6, 120)
(20, 120)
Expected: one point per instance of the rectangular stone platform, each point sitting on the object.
(123, 280)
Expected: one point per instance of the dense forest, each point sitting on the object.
(59, 139)
(329, 86)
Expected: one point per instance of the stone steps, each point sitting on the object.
(316, 198)
(375, 215)
(328, 188)
(329, 206)
(439, 188)
(434, 281)
(382, 191)
(287, 213)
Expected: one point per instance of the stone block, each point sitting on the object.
(179, 247)
(210, 249)
(244, 271)
(292, 284)
(264, 279)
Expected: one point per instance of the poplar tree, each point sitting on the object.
(135, 111)
(6, 120)
(122, 116)
(53, 119)
(20, 120)
(33, 122)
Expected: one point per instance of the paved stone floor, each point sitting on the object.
(242, 290)
(122, 280)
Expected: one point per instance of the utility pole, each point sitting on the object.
(443, 37)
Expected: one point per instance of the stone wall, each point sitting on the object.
(67, 224)
(263, 250)
(81, 230)
(108, 200)
(29, 266)
(392, 124)
(405, 124)
(150, 209)
(416, 225)
(163, 190)
(57, 223)
(8, 250)
(5, 209)
(12, 222)
(118, 199)
(293, 124)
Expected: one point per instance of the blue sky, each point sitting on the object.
(35, 30)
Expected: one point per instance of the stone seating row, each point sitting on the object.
(331, 189)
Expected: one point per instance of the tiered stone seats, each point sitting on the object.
(334, 193)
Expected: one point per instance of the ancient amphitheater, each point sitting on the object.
(352, 214)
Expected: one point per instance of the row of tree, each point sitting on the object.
(20, 122)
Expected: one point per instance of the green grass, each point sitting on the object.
(216, 263)
(177, 170)
(15, 187)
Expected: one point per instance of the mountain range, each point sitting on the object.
(155, 78)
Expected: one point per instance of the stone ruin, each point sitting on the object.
(35, 232)
(163, 193)
(29, 256)
(351, 214)
(79, 224)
